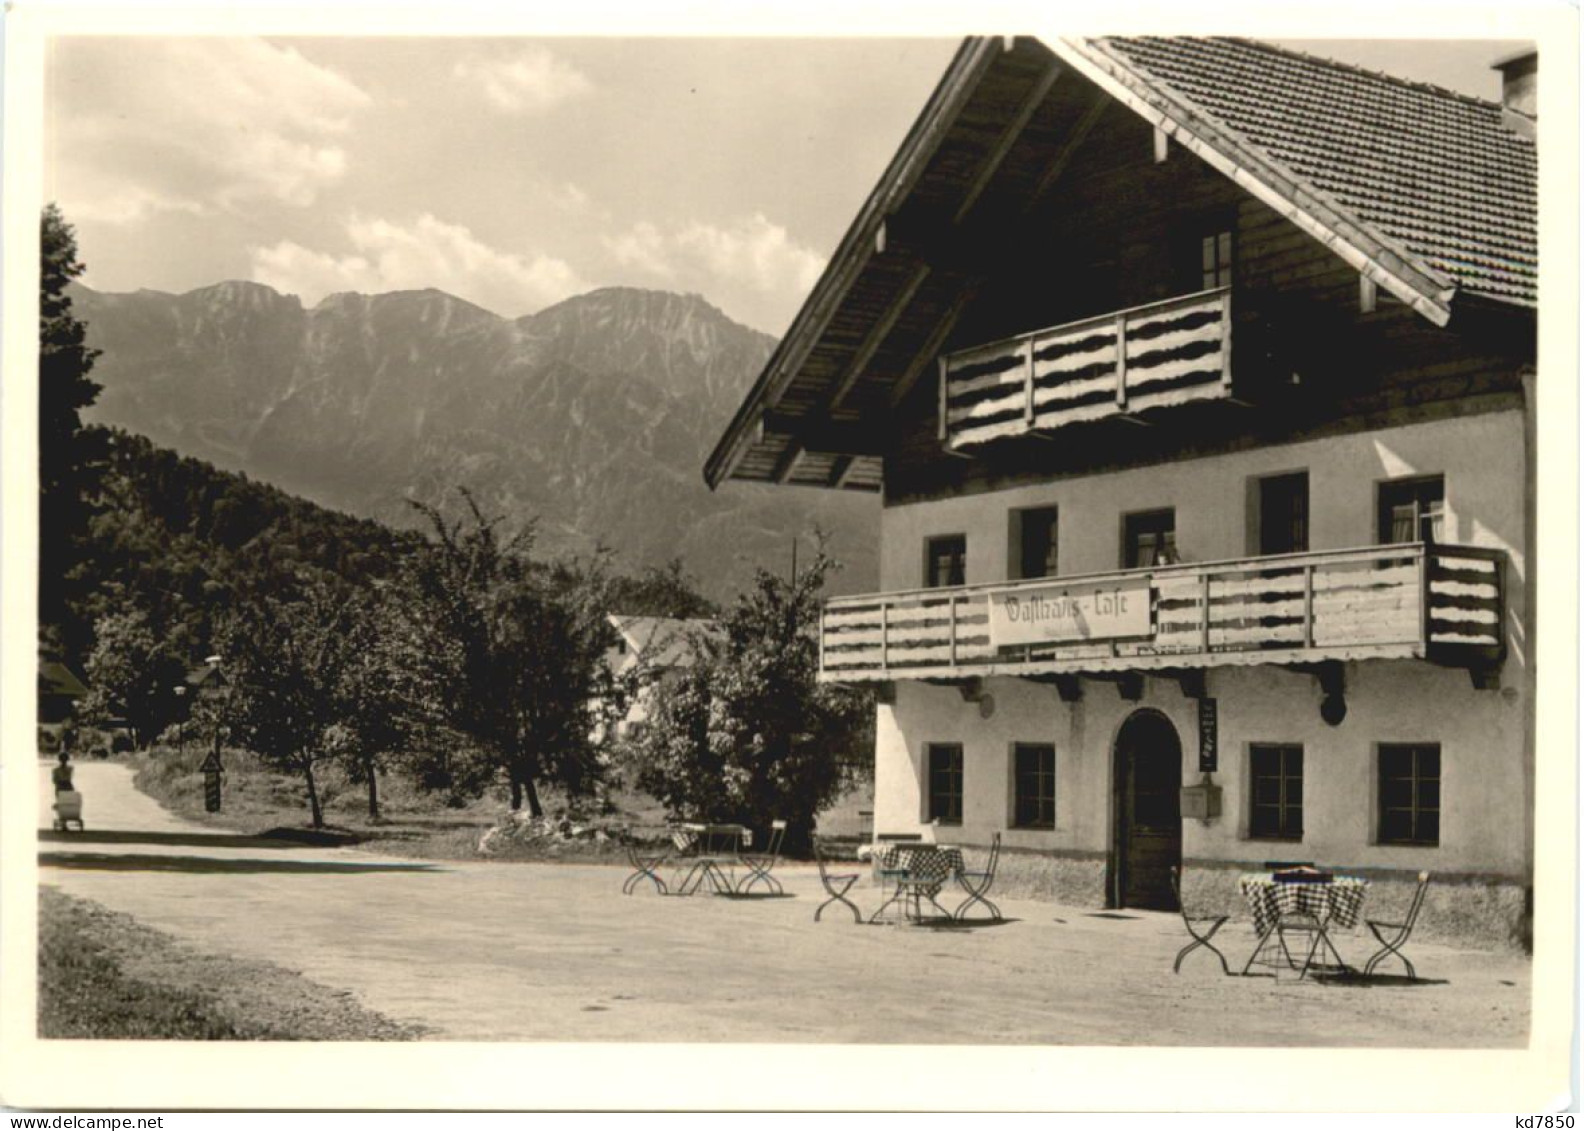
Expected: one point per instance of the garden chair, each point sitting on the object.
(759, 864)
(835, 886)
(645, 863)
(978, 884)
(1197, 930)
(1399, 932)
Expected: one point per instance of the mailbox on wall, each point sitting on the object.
(1201, 802)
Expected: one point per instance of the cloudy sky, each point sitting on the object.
(510, 172)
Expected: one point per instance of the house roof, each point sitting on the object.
(55, 678)
(1422, 190)
(1434, 173)
(205, 673)
(661, 641)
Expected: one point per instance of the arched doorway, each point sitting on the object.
(1148, 819)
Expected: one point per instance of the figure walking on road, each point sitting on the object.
(62, 774)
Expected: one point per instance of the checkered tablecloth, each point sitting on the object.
(923, 861)
(1337, 902)
(700, 839)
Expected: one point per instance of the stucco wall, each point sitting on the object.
(1486, 763)
(1482, 458)
(1480, 733)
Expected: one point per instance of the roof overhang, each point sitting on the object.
(862, 240)
(763, 413)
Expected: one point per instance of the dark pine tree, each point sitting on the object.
(69, 457)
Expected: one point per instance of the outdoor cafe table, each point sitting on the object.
(707, 849)
(923, 869)
(1317, 904)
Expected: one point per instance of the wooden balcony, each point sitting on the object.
(1122, 364)
(1413, 601)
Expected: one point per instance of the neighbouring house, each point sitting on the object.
(653, 648)
(204, 684)
(1197, 379)
(206, 681)
(59, 689)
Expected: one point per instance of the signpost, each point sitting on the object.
(211, 770)
(1207, 735)
(1056, 613)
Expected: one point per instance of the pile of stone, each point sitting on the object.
(548, 834)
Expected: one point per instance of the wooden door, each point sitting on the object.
(1148, 814)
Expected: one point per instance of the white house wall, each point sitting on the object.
(1480, 734)
(1487, 762)
(1482, 458)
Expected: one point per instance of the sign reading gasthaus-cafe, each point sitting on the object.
(1072, 612)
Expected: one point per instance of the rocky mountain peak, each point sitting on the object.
(240, 294)
(594, 415)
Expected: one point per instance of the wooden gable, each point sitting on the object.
(1044, 185)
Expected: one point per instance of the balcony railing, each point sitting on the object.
(1145, 357)
(1436, 602)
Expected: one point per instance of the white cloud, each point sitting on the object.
(529, 82)
(427, 253)
(569, 198)
(752, 252)
(643, 249)
(194, 125)
(133, 203)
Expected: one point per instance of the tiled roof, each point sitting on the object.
(1437, 174)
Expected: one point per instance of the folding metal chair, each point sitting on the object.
(645, 864)
(759, 864)
(977, 883)
(835, 886)
(1201, 937)
(1398, 931)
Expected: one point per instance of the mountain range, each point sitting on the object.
(593, 416)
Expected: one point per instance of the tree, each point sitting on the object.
(513, 652)
(661, 591)
(133, 673)
(286, 661)
(69, 458)
(747, 732)
(373, 694)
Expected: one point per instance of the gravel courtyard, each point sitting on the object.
(520, 952)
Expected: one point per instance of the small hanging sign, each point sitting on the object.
(1207, 735)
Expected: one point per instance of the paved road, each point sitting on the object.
(492, 951)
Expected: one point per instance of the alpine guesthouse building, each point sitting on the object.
(1197, 380)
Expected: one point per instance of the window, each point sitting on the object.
(1284, 514)
(1215, 260)
(945, 767)
(1149, 539)
(945, 560)
(1410, 794)
(1033, 785)
(1412, 510)
(1276, 793)
(1034, 541)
